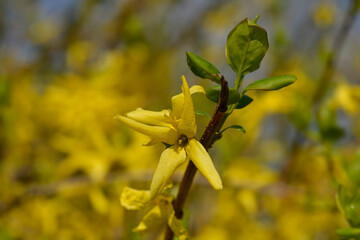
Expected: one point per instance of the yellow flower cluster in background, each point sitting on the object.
(68, 67)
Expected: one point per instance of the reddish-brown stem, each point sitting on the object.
(206, 141)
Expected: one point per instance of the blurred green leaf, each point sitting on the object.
(332, 133)
(349, 204)
(348, 232)
(244, 101)
(202, 68)
(271, 84)
(213, 94)
(246, 46)
(343, 198)
(4, 234)
(352, 211)
(202, 113)
(237, 127)
(353, 170)
(327, 121)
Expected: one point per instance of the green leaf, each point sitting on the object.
(348, 232)
(353, 170)
(348, 202)
(339, 199)
(202, 68)
(213, 94)
(238, 127)
(343, 198)
(246, 46)
(256, 18)
(244, 101)
(271, 84)
(202, 113)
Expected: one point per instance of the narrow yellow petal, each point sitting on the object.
(187, 124)
(197, 89)
(157, 133)
(149, 142)
(200, 157)
(99, 201)
(151, 118)
(133, 199)
(156, 218)
(170, 160)
(178, 100)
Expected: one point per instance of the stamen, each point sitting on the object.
(183, 140)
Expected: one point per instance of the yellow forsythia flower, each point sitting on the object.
(133, 199)
(177, 128)
(158, 216)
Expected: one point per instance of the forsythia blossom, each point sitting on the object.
(159, 213)
(178, 129)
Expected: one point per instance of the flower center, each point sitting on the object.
(183, 140)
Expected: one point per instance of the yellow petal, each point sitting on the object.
(157, 133)
(156, 218)
(200, 157)
(133, 199)
(178, 100)
(177, 228)
(187, 124)
(99, 201)
(197, 89)
(150, 142)
(151, 118)
(170, 160)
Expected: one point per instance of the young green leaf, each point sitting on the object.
(244, 101)
(256, 18)
(272, 83)
(238, 127)
(202, 68)
(213, 94)
(202, 113)
(246, 46)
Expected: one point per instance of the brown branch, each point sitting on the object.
(206, 141)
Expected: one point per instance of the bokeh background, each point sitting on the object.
(67, 67)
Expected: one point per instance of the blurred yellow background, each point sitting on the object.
(68, 67)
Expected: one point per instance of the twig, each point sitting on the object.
(337, 46)
(206, 141)
(324, 80)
